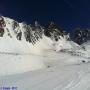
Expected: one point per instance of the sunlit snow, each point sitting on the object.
(47, 65)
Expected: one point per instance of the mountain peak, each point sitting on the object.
(14, 29)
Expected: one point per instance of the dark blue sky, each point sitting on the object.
(66, 13)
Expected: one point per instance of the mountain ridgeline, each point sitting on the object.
(33, 33)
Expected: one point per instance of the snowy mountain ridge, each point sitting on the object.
(22, 46)
(39, 58)
(23, 33)
(25, 47)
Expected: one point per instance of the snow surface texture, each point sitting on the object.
(47, 65)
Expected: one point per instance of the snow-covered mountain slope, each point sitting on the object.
(25, 47)
(35, 58)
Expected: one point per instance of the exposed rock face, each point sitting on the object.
(54, 31)
(81, 35)
(2, 25)
(14, 29)
(33, 33)
(30, 33)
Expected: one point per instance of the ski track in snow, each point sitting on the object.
(57, 78)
